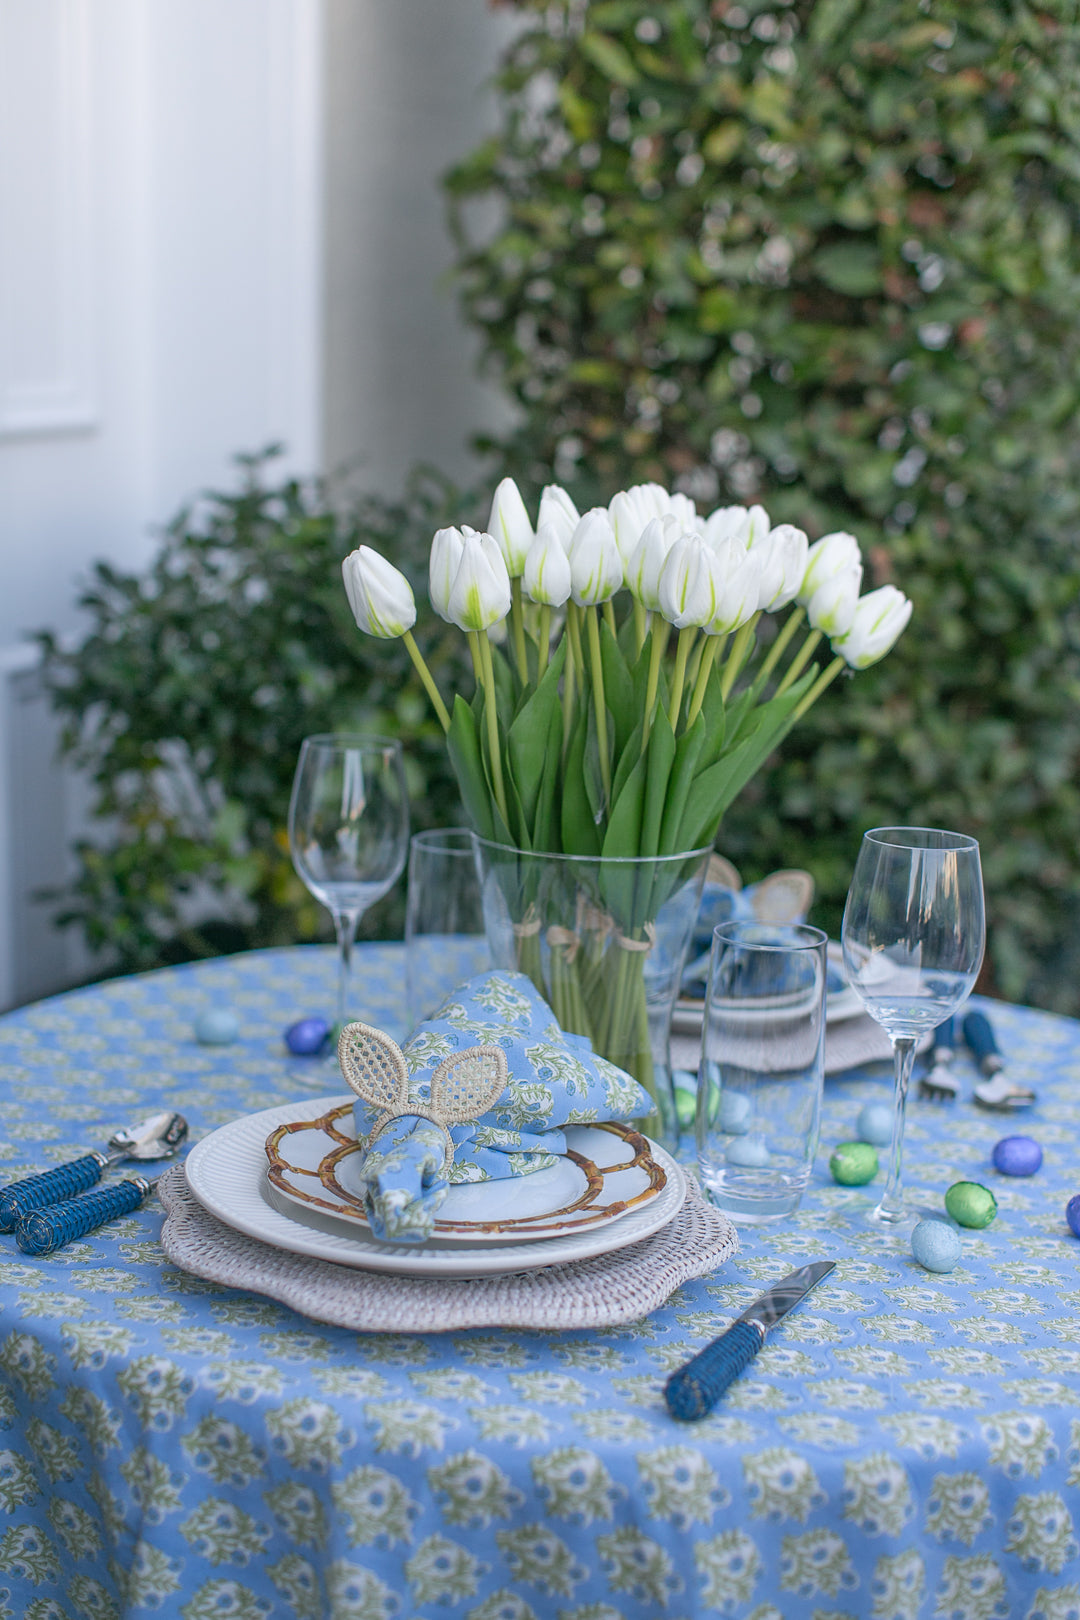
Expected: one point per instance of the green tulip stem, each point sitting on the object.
(682, 653)
(641, 626)
(659, 631)
(426, 676)
(744, 638)
(779, 646)
(569, 683)
(819, 686)
(705, 663)
(592, 620)
(544, 643)
(491, 715)
(517, 624)
(798, 663)
(609, 615)
(477, 666)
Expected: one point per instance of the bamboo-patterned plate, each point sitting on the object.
(606, 1172)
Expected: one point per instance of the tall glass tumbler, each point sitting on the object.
(762, 1067)
(445, 942)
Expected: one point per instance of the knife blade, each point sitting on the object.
(694, 1390)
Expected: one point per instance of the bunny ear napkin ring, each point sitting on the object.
(463, 1087)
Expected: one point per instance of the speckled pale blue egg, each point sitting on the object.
(216, 1027)
(936, 1245)
(734, 1113)
(1017, 1156)
(874, 1124)
(307, 1036)
(749, 1153)
(1072, 1214)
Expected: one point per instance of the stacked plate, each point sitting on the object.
(289, 1176)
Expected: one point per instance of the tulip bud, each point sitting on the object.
(558, 510)
(759, 525)
(727, 522)
(738, 586)
(630, 510)
(830, 555)
(682, 507)
(595, 566)
(880, 617)
(783, 566)
(831, 609)
(509, 523)
(647, 562)
(688, 585)
(480, 593)
(547, 569)
(446, 549)
(380, 596)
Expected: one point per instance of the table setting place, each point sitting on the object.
(617, 1243)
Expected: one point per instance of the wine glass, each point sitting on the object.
(348, 830)
(913, 938)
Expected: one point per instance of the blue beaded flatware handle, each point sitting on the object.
(43, 1231)
(66, 1181)
(694, 1390)
(980, 1037)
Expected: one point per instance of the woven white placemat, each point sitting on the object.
(603, 1292)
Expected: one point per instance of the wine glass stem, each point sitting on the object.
(891, 1208)
(345, 926)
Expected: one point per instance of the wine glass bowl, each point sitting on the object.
(913, 937)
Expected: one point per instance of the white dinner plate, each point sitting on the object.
(226, 1171)
(607, 1172)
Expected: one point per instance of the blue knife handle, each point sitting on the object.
(34, 1192)
(694, 1390)
(43, 1231)
(980, 1037)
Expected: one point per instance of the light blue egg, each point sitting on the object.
(735, 1113)
(936, 1245)
(874, 1124)
(749, 1152)
(216, 1027)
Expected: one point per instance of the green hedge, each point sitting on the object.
(826, 256)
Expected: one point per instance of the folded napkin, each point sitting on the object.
(479, 1092)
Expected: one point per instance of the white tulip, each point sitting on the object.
(380, 596)
(783, 555)
(647, 562)
(758, 520)
(683, 508)
(738, 586)
(547, 569)
(509, 523)
(832, 554)
(688, 583)
(446, 549)
(480, 593)
(880, 617)
(596, 570)
(558, 510)
(831, 609)
(631, 510)
(727, 522)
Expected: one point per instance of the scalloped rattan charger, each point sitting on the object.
(604, 1292)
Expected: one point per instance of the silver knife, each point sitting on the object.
(694, 1390)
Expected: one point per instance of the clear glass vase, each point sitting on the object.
(605, 942)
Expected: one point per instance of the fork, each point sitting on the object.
(939, 1084)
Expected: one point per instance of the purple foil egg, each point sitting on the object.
(307, 1037)
(1072, 1214)
(1017, 1156)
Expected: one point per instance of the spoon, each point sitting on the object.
(157, 1137)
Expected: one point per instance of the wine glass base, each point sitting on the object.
(889, 1217)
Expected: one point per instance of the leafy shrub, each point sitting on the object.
(187, 701)
(824, 255)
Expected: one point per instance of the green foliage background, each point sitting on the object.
(824, 255)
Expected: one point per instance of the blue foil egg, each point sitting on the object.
(1072, 1214)
(734, 1113)
(1017, 1156)
(307, 1037)
(874, 1124)
(749, 1152)
(936, 1245)
(216, 1027)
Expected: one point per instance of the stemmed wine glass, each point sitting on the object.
(913, 938)
(348, 830)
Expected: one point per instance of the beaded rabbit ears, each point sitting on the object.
(463, 1087)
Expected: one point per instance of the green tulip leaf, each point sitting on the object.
(527, 739)
(463, 746)
(618, 688)
(579, 830)
(663, 751)
(689, 751)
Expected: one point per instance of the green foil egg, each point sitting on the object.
(853, 1164)
(970, 1204)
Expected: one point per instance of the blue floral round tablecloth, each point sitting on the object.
(906, 1447)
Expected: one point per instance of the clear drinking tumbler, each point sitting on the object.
(445, 943)
(762, 1064)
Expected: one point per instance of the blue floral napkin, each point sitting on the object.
(554, 1079)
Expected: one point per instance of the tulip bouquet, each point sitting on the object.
(631, 677)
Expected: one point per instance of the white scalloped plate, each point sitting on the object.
(226, 1171)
